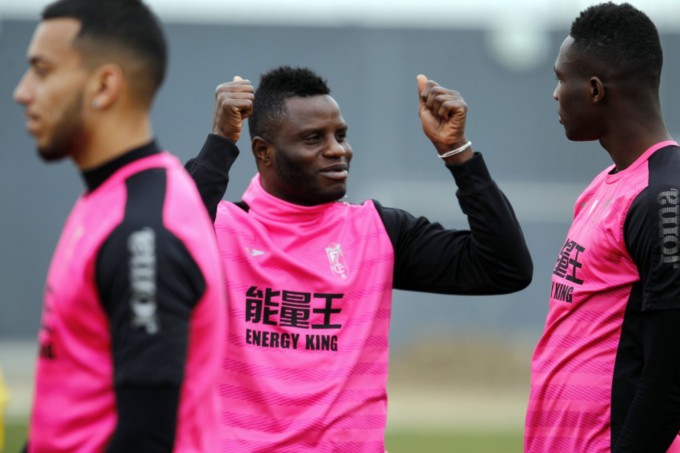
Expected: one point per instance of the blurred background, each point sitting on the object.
(460, 365)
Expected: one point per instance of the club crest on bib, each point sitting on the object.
(337, 261)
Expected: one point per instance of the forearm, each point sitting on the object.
(149, 352)
(653, 419)
(147, 417)
(210, 170)
(496, 246)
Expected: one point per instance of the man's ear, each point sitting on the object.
(105, 86)
(597, 92)
(263, 151)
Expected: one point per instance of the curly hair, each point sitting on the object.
(275, 87)
(621, 37)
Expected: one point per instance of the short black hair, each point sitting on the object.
(276, 86)
(119, 27)
(621, 37)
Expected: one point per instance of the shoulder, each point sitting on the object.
(162, 206)
(664, 165)
(661, 186)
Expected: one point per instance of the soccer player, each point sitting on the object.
(310, 277)
(605, 373)
(132, 327)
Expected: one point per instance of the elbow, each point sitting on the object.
(515, 276)
(508, 278)
(522, 275)
(516, 284)
(524, 279)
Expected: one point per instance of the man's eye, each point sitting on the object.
(40, 71)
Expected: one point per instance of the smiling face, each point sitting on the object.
(577, 95)
(51, 90)
(310, 154)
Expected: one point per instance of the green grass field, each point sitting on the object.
(454, 442)
(15, 436)
(397, 441)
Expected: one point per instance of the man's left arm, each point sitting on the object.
(653, 419)
(491, 257)
(497, 249)
(148, 284)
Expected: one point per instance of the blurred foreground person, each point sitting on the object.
(132, 327)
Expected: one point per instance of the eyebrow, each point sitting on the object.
(37, 59)
(308, 130)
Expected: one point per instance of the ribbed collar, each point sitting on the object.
(271, 208)
(98, 176)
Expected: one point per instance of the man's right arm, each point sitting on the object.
(210, 170)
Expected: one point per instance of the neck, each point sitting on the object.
(110, 136)
(634, 133)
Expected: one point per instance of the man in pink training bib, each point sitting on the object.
(132, 332)
(605, 375)
(310, 278)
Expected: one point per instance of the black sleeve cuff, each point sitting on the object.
(472, 175)
(218, 154)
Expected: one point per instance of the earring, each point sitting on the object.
(95, 104)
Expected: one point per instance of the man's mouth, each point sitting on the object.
(338, 172)
(31, 123)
